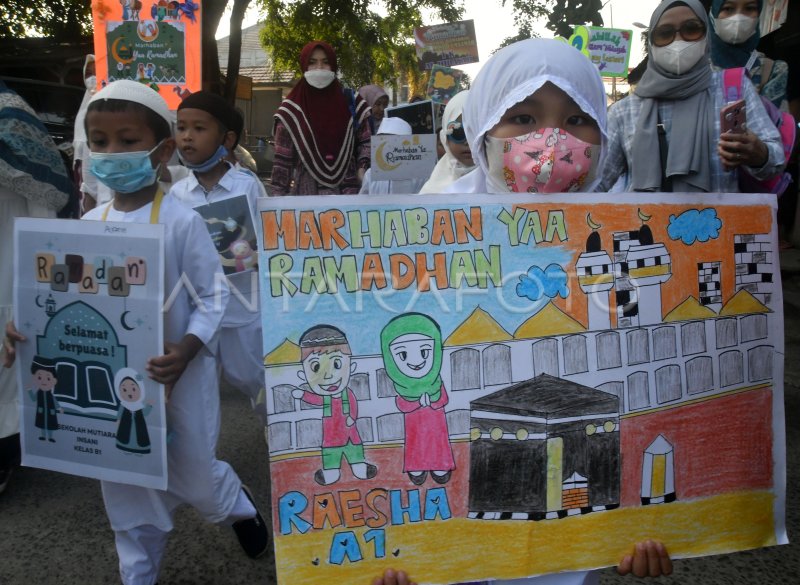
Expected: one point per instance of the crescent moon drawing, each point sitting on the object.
(381, 162)
(123, 323)
(591, 223)
(643, 216)
(38, 304)
(115, 54)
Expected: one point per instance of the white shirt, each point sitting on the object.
(188, 252)
(397, 186)
(237, 181)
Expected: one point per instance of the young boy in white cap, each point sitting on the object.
(129, 132)
(207, 131)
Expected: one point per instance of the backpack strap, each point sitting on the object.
(663, 149)
(766, 71)
(733, 84)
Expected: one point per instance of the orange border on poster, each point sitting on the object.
(105, 11)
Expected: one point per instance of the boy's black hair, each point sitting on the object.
(43, 363)
(228, 118)
(161, 129)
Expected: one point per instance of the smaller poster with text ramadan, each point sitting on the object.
(88, 298)
(155, 42)
(546, 380)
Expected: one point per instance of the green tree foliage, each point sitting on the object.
(62, 20)
(561, 15)
(373, 40)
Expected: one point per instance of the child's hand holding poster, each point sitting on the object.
(88, 299)
(547, 382)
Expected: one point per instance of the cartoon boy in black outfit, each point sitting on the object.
(44, 378)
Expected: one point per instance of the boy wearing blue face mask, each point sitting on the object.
(207, 130)
(128, 129)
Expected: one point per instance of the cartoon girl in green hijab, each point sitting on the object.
(411, 345)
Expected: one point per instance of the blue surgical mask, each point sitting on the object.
(124, 172)
(206, 166)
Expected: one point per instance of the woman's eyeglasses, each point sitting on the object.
(455, 133)
(691, 30)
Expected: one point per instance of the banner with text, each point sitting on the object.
(448, 44)
(403, 157)
(155, 42)
(88, 298)
(546, 380)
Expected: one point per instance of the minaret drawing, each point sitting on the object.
(595, 272)
(625, 299)
(649, 266)
(709, 282)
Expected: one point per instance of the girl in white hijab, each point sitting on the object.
(457, 160)
(132, 433)
(537, 95)
(536, 122)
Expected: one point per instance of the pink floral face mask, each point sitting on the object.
(545, 161)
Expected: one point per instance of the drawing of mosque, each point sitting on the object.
(85, 383)
(663, 367)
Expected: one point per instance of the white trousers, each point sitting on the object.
(141, 549)
(241, 357)
(142, 517)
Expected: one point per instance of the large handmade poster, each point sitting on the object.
(88, 298)
(546, 381)
(156, 42)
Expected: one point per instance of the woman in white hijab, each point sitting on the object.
(457, 160)
(132, 433)
(535, 95)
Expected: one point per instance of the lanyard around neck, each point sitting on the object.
(154, 211)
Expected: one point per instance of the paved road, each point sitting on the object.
(53, 529)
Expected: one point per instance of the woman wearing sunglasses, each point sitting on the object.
(457, 160)
(666, 135)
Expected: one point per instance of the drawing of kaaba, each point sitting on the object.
(544, 448)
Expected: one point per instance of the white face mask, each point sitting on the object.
(736, 29)
(679, 56)
(91, 84)
(319, 78)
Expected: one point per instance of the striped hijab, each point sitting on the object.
(320, 122)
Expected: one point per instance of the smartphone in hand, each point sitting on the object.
(733, 117)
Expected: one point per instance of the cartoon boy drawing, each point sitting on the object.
(327, 368)
(44, 379)
(132, 435)
(411, 345)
